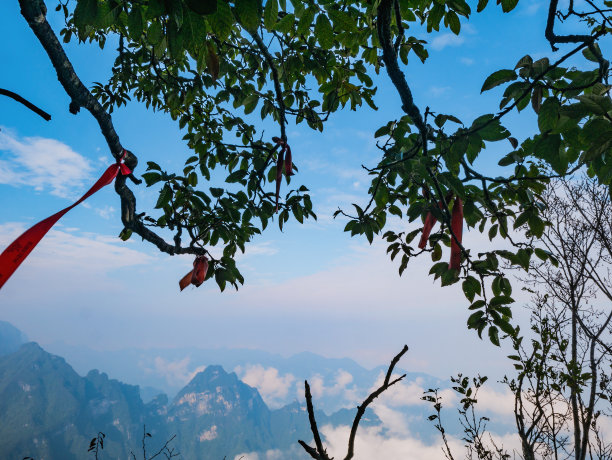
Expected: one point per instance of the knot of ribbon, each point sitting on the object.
(125, 171)
(18, 250)
(197, 275)
(284, 158)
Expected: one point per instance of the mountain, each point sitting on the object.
(49, 412)
(220, 415)
(11, 338)
(170, 369)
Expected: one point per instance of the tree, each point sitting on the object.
(207, 62)
(210, 63)
(562, 386)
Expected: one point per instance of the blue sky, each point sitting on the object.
(310, 288)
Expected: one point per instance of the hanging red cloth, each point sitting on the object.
(18, 250)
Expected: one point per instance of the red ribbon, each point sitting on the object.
(457, 228)
(197, 275)
(282, 159)
(19, 249)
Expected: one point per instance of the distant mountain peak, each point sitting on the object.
(11, 338)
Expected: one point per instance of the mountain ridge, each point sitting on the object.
(51, 413)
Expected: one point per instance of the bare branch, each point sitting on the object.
(28, 104)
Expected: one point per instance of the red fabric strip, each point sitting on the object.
(457, 227)
(18, 250)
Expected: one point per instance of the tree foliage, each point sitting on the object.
(218, 67)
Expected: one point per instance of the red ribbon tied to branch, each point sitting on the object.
(430, 220)
(18, 250)
(456, 227)
(197, 275)
(284, 157)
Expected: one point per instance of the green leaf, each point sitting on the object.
(324, 32)
(453, 22)
(549, 114)
(250, 103)
(85, 13)
(342, 20)
(270, 14)
(507, 6)
(471, 287)
(497, 78)
(248, 12)
(151, 178)
(164, 196)
(525, 61)
(154, 34)
(306, 21)
(481, 5)
(474, 319)
(285, 25)
(135, 23)
(222, 21)
(203, 7)
(494, 335)
(125, 234)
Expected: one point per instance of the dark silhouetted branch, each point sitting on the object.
(28, 104)
(319, 453)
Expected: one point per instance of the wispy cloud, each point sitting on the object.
(176, 373)
(339, 386)
(106, 212)
(466, 61)
(272, 386)
(371, 442)
(447, 39)
(72, 257)
(42, 163)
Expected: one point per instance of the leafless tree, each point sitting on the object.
(563, 386)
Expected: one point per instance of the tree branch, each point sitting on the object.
(34, 11)
(319, 452)
(28, 104)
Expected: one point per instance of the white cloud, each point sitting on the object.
(176, 373)
(466, 61)
(498, 402)
(273, 454)
(45, 164)
(76, 260)
(371, 443)
(258, 249)
(272, 386)
(106, 212)
(447, 39)
(340, 386)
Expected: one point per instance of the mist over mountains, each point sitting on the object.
(50, 412)
(216, 403)
(336, 383)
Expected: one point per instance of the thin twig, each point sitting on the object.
(28, 104)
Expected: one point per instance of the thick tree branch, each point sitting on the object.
(34, 11)
(550, 35)
(395, 74)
